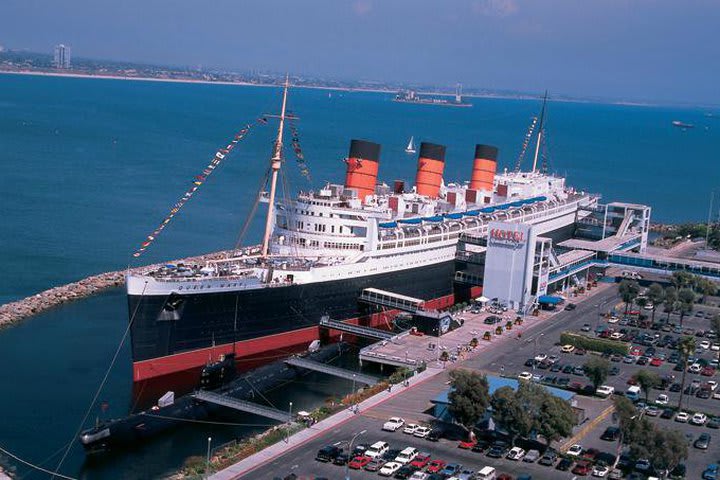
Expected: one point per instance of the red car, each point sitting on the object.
(467, 444)
(656, 362)
(435, 466)
(359, 462)
(582, 468)
(504, 476)
(421, 460)
(635, 352)
(708, 371)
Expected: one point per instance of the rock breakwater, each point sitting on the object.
(13, 312)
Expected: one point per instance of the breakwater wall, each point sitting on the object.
(14, 312)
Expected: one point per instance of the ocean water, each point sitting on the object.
(90, 167)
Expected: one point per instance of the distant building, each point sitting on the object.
(62, 56)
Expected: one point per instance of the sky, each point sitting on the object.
(645, 50)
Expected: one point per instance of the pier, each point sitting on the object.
(359, 330)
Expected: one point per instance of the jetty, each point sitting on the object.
(18, 310)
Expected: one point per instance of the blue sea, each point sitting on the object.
(91, 167)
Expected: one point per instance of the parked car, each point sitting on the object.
(564, 464)
(611, 434)
(582, 468)
(451, 469)
(436, 466)
(549, 458)
(328, 453)
(515, 453)
(682, 417)
(422, 432)
(389, 469)
(410, 428)
(605, 391)
(600, 471)
(531, 456)
(375, 464)
(393, 424)
(699, 419)
(359, 462)
(567, 348)
(574, 450)
(703, 441)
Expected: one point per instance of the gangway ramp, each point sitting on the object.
(395, 301)
(331, 370)
(242, 405)
(359, 330)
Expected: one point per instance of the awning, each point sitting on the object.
(388, 225)
(413, 221)
(454, 216)
(549, 300)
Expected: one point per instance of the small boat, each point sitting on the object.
(410, 146)
(679, 124)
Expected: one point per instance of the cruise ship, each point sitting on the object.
(321, 248)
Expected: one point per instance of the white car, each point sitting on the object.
(393, 424)
(575, 450)
(419, 476)
(613, 319)
(695, 368)
(649, 306)
(540, 357)
(605, 391)
(712, 384)
(422, 432)
(389, 469)
(616, 336)
(567, 348)
(682, 417)
(410, 428)
(525, 376)
(699, 419)
(407, 455)
(377, 449)
(662, 399)
(704, 344)
(600, 471)
(515, 453)
(715, 347)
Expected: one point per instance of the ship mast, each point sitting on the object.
(275, 163)
(540, 133)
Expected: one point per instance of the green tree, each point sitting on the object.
(533, 409)
(667, 448)
(686, 347)
(597, 370)
(686, 297)
(670, 300)
(656, 294)
(682, 279)
(556, 419)
(469, 398)
(509, 411)
(629, 290)
(705, 288)
(646, 380)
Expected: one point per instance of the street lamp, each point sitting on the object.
(535, 349)
(287, 437)
(350, 446)
(207, 459)
(354, 397)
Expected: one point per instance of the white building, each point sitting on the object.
(62, 56)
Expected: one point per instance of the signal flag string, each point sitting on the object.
(299, 156)
(197, 181)
(526, 143)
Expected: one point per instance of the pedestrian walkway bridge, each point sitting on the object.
(331, 370)
(395, 301)
(241, 405)
(359, 330)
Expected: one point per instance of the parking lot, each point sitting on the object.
(567, 371)
(509, 359)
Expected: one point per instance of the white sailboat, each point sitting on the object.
(410, 147)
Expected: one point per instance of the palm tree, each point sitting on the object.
(705, 287)
(686, 298)
(669, 301)
(628, 291)
(656, 294)
(685, 348)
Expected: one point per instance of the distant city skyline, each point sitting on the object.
(645, 50)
